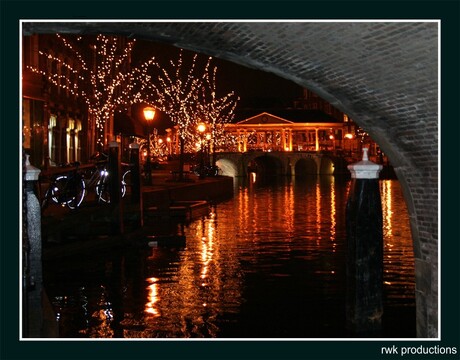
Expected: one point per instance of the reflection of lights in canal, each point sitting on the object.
(333, 213)
(207, 244)
(152, 297)
(387, 207)
(269, 250)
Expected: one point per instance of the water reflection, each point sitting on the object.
(398, 248)
(152, 297)
(268, 263)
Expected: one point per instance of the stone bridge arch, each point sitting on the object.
(230, 164)
(239, 164)
(384, 75)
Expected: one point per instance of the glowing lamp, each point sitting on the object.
(201, 127)
(149, 113)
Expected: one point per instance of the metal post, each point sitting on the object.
(135, 172)
(148, 164)
(364, 305)
(114, 167)
(136, 197)
(202, 170)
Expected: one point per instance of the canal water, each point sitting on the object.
(268, 263)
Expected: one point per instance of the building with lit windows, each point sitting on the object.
(57, 127)
(53, 120)
(316, 131)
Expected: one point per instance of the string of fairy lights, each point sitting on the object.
(217, 111)
(105, 79)
(188, 96)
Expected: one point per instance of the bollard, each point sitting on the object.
(136, 197)
(364, 304)
(135, 172)
(33, 278)
(114, 168)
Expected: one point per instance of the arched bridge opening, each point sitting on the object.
(227, 167)
(266, 167)
(304, 168)
(347, 64)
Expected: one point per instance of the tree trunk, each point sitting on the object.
(181, 158)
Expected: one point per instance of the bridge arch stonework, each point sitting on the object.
(384, 75)
(287, 160)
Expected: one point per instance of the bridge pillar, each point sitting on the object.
(318, 159)
(364, 305)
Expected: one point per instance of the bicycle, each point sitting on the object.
(99, 179)
(66, 189)
(102, 188)
(206, 170)
(70, 189)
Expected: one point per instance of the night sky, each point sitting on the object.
(256, 89)
(245, 81)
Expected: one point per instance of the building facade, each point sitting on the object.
(57, 126)
(268, 132)
(53, 119)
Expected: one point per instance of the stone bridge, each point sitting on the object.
(383, 74)
(274, 163)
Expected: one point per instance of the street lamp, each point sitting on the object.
(149, 114)
(349, 136)
(201, 129)
(208, 149)
(168, 140)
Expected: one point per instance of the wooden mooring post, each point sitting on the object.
(364, 300)
(116, 205)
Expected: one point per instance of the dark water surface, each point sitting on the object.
(269, 263)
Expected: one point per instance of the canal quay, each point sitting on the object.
(255, 258)
(167, 201)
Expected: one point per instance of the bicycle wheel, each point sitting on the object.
(68, 191)
(59, 189)
(125, 182)
(46, 198)
(102, 188)
(79, 193)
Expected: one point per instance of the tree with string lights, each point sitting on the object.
(188, 97)
(99, 72)
(216, 111)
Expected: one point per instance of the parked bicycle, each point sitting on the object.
(67, 189)
(70, 189)
(102, 186)
(206, 170)
(99, 179)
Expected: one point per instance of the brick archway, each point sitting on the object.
(382, 74)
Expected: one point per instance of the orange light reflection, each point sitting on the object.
(387, 207)
(318, 212)
(333, 213)
(152, 297)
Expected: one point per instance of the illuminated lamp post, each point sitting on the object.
(208, 149)
(349, 137)
(168, 140)
(201, 129)
(149, 114)
(332, 138)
